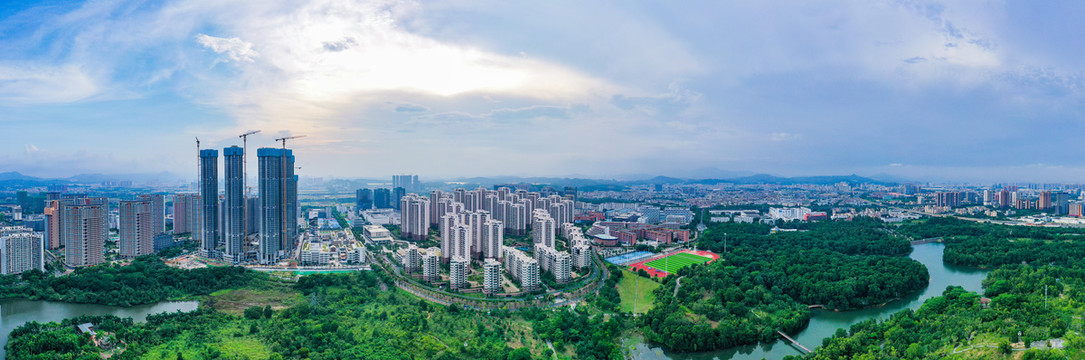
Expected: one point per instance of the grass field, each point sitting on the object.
(235, 301)
(677, 261)
(630, 286)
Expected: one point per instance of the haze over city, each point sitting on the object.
(953, 91)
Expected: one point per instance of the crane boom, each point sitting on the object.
(284, 139)
(245, 178)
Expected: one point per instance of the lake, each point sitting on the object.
(15, 312)
(824, 323)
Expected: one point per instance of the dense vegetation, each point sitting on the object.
(344, 316)
(1020, 319)
(957, 325)
(765, 281)
(147, 280)
(972, 243)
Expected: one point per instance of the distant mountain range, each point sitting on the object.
(18, 179)
(13, 178)
(601, 184)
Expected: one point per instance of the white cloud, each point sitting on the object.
(43, 84)
(234, 48)
(784, 136)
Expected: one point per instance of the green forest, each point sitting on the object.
(1031, 306)
(146, 280)
(765, 281)
(342, 316)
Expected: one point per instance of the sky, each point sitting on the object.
(955, 90)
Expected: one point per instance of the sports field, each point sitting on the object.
(672, 263)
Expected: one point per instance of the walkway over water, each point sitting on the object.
(927, 241)
(793, 342)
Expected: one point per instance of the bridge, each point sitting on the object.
(927, 240)
(793, 342)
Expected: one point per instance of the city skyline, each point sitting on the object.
(949, 91)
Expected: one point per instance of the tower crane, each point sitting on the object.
(244, 178)
(285, 215)
(284, 139)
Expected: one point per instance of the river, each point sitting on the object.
(15, 312)
(824, 323)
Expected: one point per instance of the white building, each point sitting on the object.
(556, 262)
(314, 253)
(21, 249)
(457, 272)
(493, 238)
(561, 266)
(356, 256)
(788, 214)
(522, 268)
(581, 256)
(376, 234)
(543, 228)
(412, 260)
(431, 265)
(476, 220)
(491, 277)
(516, 218)
(414, 216)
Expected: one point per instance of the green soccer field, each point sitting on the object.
(672, 263)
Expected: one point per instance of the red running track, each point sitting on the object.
(653, 272)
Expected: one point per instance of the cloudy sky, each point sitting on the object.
(956, 90)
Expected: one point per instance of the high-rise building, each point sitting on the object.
(461, 240)
(476, 220)
(415, 217)
(252, 215)
(543, 228)
(52, 224)
(447, 226)
(561, 267)
(516, 218)
(158, 211)
(522, 268)
(570, 193)
(84, 229)
(186, 214)
(278, 204)
(397, 194)
(581, 256)
(493, 238)
(381, 198)
(209, 194)
(1044, 201)
(409, 183)
(491, 277)
(430, 265)
(561, 211)
(137, 230)
(363, 199)
(412, 260)
(558, 263)
(435, 198)
(457, 272)
(21, 249)
(233, 210)
(1061, 202)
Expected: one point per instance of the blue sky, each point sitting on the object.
(956, 90)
